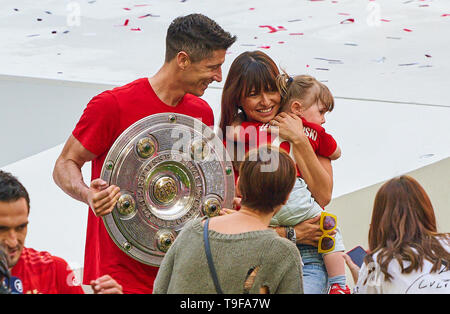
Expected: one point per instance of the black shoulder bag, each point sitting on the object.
(212, 269)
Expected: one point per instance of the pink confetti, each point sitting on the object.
(444, 15)
(348, 21)
(407, 30)
(251, 9)
(281, 42)
(136, 29)
(272, 29)
(383, 20)
(128, 9)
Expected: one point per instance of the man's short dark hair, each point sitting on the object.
(197, 35)
(11, 189)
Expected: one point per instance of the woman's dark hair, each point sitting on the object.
(251, 71)
(197, 35)
(11, 189)
(266, 177)
(403, 227)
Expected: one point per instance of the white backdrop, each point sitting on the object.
(386, 62)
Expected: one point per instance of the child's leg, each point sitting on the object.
(335, 264)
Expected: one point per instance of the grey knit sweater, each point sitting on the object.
(184, 269)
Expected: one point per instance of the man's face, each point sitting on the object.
(13, 228)
(198, 75)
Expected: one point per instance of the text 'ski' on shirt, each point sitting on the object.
(254, 134)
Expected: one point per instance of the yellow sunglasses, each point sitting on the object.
(328, 222)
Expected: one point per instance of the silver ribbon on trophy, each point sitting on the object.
(170, 168)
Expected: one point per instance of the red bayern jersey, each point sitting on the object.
(106, 116)
(322, 143)
(43, 273)
(254, 134)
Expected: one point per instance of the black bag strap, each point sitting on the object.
(212, 269)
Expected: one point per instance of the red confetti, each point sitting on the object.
(347, 21)
(264, 47)
(407, 30)
(307, 65)
(281, 42)
(128, 9)
(272, 29)
(136, 29)
(444, 15)
(126, 22)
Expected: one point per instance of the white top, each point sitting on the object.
(417, 282)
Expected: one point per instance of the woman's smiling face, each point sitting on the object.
(261, 107)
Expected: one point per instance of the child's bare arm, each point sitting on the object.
(336, 154)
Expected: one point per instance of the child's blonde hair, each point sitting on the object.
(304, 88)
(326, 97)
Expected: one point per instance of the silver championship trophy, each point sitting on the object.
(170, 168)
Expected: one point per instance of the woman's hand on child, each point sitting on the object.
(308, 231)
(290, 127)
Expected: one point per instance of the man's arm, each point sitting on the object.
(67, 175)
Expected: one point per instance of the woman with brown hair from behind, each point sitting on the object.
(406, 253)
(245, 256)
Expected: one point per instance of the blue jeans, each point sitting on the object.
(315, 276)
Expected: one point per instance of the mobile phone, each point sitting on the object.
(357, 255)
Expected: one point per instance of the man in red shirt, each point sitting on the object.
(39, 272)
(195, 52)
